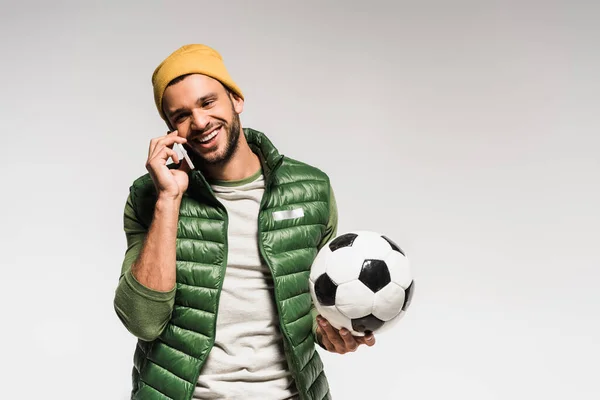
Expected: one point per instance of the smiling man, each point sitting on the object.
(214, 282)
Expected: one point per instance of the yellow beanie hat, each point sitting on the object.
(188, 59)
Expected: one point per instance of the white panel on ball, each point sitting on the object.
(388, 302)
(320, 263)
(345, 265)
(354, 299)
(399, 268)
(371, 244)
(313, 295)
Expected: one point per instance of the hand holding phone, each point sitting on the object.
(170, 183)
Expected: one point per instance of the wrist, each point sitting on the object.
(168, 201)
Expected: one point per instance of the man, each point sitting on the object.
(214, 282)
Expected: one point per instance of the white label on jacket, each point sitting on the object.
(288, 214)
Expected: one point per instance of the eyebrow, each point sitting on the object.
(198, 102)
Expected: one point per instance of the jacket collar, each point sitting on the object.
(265, 150)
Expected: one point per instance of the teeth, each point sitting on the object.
(209, 137)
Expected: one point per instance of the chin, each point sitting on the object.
(212, 157)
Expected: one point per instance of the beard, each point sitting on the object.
(232, 132)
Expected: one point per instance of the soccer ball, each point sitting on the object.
(361, 281)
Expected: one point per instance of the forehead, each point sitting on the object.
(189, 89)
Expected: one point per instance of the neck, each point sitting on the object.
(243, 164)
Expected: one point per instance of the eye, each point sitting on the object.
(208, 103)
(180, 117)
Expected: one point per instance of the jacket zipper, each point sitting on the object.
(288, 346)
(223, 268)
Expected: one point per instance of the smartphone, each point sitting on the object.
(185, 155)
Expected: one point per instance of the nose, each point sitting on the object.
(199, 120)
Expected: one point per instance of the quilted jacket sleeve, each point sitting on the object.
(332, 224)
(144, 312)
(330, 233)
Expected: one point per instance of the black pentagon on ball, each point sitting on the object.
(344, 240)
(394, 245)
(367, 324)
(408, 294)
(374, 274)
(325, 290)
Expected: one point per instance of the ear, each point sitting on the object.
(237, 101)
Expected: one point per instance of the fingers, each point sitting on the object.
(349, 340)
(332, 335)
(340, 341)
(173, 154)
(163, 154)
(327, 343)
(368, 339)
(167, 141)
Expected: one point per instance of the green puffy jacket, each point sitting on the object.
(176, 329)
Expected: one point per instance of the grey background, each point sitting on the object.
(465, 130)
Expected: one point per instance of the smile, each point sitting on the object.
(209, 138)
